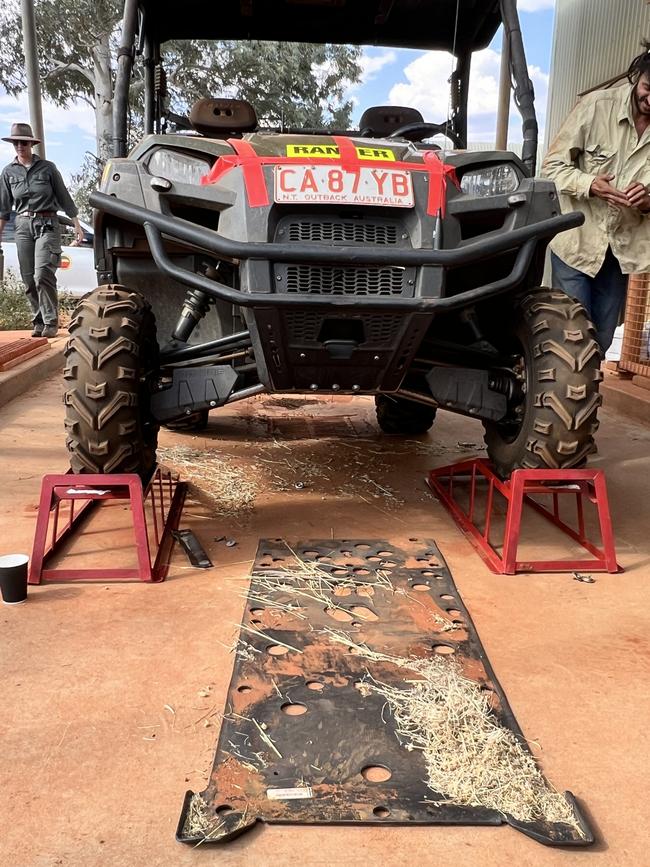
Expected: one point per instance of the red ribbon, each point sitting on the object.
(252, 164)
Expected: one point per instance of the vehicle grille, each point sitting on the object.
(350, 232)
(329, 230)
(304, 327)
(334, 280)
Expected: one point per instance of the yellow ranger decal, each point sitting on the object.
(332, 151)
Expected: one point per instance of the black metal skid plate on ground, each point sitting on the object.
(300, 732)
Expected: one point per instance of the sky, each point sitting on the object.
(390, 77)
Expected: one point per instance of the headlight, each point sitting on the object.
(177, 166)
(490, 180)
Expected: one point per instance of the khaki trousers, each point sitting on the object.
(38, 244)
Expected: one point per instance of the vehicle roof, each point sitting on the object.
(422, 24)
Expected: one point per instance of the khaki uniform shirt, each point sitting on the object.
(598, 138)
(37, 188)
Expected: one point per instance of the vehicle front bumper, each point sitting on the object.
(522, 241)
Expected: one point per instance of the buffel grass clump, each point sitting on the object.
(230, 489)
(470, 758)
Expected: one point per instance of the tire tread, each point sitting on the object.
(565, 376)
(112, 345)
(398, 416)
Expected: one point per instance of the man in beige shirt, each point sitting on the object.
(600, 162)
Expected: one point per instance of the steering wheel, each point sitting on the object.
(419, 130)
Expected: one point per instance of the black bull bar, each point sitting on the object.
(155, 224)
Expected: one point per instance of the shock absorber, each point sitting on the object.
(195, 306)
(506, 382)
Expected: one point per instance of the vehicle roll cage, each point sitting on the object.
(139, 36)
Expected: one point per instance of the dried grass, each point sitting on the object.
(290, 469)
(444, 624)
(199, 821)
(230, 489)
(311, 581)
(470, 758)
(343, 473)
(357, 469)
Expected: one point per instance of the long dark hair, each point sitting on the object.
(641, 64)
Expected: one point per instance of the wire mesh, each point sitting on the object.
(635, 349)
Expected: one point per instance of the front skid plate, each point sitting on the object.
(281, 767)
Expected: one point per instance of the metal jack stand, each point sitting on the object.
(163, 498)
(589, 485)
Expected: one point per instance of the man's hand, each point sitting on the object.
(638, 196)
(602, 189)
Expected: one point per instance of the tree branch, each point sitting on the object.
(87, 100)
(60, 67)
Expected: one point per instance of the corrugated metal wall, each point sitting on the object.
(514, 146)
(593, 40)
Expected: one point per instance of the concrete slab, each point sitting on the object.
(626, 397)
(111, 694)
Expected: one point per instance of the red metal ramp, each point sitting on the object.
(469, 489)
(155, 511)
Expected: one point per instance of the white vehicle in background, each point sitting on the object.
(76, 274)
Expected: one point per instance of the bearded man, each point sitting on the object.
(600, 162)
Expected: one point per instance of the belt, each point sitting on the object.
(37, 214)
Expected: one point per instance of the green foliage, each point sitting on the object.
(84, 182)
(76, 43)
(68, 34)
(289, 84)
(15, 312)
(67, 304)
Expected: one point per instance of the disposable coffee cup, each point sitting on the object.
(13, 578)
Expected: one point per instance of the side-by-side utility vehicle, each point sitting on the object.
(234, 259)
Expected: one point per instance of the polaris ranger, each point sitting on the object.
(233, 259)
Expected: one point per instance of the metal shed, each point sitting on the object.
(593, 41)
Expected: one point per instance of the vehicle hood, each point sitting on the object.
(308, 147)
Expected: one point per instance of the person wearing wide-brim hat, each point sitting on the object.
(35, 189)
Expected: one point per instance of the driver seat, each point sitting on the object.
(382, 120)
(222, 118)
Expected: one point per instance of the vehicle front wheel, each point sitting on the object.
(111, 364)
(398, 416)
(552, 420)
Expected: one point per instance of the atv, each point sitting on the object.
(233, 260)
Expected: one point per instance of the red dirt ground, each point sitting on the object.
(111, 693)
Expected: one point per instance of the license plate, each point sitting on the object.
(333, 184)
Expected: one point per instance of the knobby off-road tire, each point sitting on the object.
(396, 415)
(111, 358)
(561, 371)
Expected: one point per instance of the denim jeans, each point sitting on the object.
(602, 296)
